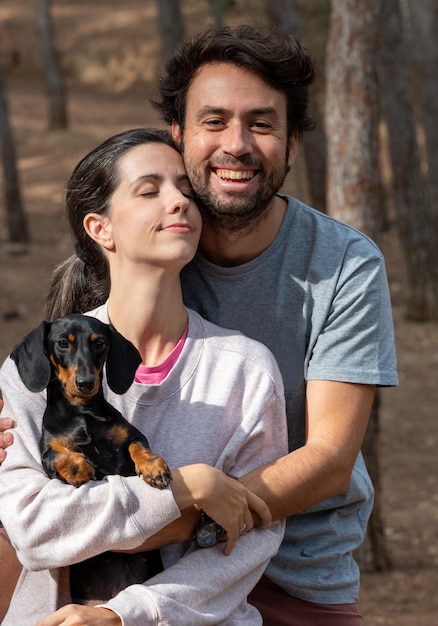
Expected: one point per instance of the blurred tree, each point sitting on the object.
(422, 28)
(16, 218)
(354, 190)
(283, 14)
(352, 115)
(54, 84)
(418, 231)
(171, 26)
(218, 10)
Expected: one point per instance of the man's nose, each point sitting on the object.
(236, 139)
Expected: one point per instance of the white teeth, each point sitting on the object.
(235, 174)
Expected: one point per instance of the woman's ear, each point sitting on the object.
(98, 227)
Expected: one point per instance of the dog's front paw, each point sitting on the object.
(155, 472)
(151, 467)
(74, 468)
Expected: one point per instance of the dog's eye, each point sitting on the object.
(100, 345)
(63, 344)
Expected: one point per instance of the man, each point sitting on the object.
(312, 289)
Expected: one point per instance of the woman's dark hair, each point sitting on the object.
(281, 61)
(82, 282)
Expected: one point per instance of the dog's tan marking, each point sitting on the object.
(153, 468)
(67, 378)
(72, 466)
(117, 434)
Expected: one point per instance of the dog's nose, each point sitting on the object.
(85, 384)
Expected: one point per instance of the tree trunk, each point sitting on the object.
(423, 42)
(352, 115)
(16, 217)
(54, 83)
(218, 10)
(171, 26)
(373, 555)
(354, 192)
(418, 231)
(283, 14)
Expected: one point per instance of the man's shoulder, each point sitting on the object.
(317, 228)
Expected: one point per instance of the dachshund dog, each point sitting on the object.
(83, 436)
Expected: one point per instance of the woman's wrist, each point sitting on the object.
(189, 484)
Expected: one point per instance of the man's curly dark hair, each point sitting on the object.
(281, 61)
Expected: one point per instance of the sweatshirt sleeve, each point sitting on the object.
(205, 586)
(52, 524)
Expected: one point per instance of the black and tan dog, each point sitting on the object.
(83, 436)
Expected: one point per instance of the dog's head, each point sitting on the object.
(75, 349)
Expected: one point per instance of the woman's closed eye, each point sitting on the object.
(149, 192)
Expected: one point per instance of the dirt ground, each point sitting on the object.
(404, 596)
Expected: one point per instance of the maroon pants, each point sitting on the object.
(278, 608)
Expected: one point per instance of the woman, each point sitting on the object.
(209, 400)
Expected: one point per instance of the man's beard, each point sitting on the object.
(234, 211)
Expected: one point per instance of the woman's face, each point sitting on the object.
(153, 218)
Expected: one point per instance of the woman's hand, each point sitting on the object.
(225, 500)
(77, 615)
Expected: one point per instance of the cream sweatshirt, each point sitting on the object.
(221, 404)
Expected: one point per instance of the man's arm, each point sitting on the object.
(336, 420)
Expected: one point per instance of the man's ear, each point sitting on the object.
(293, 148)
(176, 133)
(98, 227)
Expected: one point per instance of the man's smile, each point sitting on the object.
(226, 174)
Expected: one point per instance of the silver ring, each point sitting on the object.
(242, 528)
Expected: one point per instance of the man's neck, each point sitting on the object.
(229, 248)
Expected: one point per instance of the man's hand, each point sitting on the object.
(77, 615)
(6, 439)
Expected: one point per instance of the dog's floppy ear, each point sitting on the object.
(122, 362)
(31, 358)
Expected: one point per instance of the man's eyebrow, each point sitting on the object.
(215, 110)
(211, 110)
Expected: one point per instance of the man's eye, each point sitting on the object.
(261, 125)
(214, 123)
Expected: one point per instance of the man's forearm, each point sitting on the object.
(176, 532)
(295, 482)
(336, 417)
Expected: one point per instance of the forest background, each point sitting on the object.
(360, 164)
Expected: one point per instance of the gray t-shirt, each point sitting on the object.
(318, 298)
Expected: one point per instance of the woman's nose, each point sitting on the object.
(179, 202)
